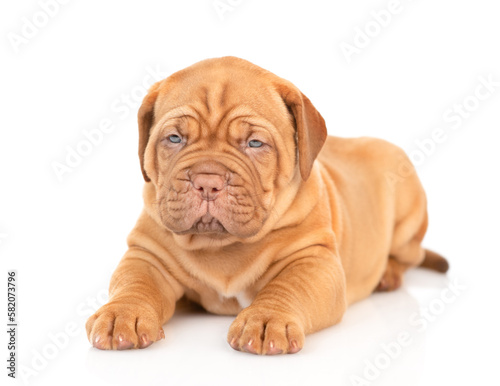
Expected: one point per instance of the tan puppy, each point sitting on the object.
(240, 218)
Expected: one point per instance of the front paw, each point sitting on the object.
(264, 331)
(124, 325)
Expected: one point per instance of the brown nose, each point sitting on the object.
(209, 185)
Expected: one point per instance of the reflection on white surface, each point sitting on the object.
(365, 344)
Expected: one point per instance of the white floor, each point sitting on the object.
(382, 340)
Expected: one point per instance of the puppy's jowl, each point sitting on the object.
(250, 209)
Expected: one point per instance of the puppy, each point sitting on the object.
(250, 209)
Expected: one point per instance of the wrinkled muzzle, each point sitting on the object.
(210, 197)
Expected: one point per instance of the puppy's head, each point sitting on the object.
(220, 140)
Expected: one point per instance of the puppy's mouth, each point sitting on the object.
(206, 224)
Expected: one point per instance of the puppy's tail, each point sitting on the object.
(434, 261)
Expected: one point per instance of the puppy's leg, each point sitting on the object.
(307, 295)
(402, 257)
(406, 250)
(142, 299)
(393, 276)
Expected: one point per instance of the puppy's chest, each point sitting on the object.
(222, 282)
(221, 294)
(218, 303)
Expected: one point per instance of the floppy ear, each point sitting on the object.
(145, 118)
(310, 126)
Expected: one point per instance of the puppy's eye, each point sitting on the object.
(255, 143)
(174, 138)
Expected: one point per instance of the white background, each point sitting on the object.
(66, 237)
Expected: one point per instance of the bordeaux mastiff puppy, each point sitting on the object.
(250, 209)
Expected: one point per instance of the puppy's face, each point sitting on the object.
(216, 178)
(218, 141)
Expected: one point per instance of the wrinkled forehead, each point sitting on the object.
(213, 90)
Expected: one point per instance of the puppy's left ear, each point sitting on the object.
(145, 118)
(310, 126)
